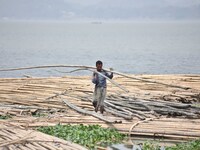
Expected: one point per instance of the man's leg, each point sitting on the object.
(98, 98)
(103, 97)
(95, 97)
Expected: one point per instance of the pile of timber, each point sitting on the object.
(135, 104)
(15, 138)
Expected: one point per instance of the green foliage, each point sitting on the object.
(5, 116)
(150, 146)
(193, 145)
(92, 135)
(39, 115)
(89, 136)
(196, 104)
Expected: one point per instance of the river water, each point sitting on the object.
(138, 48)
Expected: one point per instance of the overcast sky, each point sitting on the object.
(170, 2)
(70, 10)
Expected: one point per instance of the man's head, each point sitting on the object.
(99, 65)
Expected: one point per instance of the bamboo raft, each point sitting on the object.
(15, 138)
(148, 109)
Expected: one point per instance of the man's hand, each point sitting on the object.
(111, 69)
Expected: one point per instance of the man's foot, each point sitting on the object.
(96, 109)
(102, 109)
(94, 104)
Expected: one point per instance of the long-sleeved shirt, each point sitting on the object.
(99, 80)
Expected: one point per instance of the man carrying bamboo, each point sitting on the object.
(100, 86)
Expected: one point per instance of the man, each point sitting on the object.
(100, 86)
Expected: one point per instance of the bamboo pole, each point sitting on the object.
(116, 84)
(80, 110)
(49, 66)
(137, 123)
(16, 140)
(113, 82)
(90, 67)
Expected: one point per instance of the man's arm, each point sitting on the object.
(94, 78)
(109, 75)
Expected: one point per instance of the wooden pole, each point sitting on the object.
(90, 67)
(116, 84)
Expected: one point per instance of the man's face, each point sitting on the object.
(99, 67)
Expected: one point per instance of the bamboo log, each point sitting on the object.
(149, 81)
(142, 106)
(15, 141)
(135, 78)
(119, 114)
(126, 111)
(119, 86)
(161, 132)
(21, 107)
(49, 66)
(116, 84)
(137, 123)
(39, 146)
(51, 141)
(80, 110)
(49, 147)
(78, 93)
(90, 67)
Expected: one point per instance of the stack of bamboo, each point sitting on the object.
(156, 105)
(15, 138)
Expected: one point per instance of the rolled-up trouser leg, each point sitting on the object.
(103, 97)
(95, 97)
(99, 96)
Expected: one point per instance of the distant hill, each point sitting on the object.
(99, 9)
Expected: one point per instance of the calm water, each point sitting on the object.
(139, 48)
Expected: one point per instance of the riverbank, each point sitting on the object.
(171, 109)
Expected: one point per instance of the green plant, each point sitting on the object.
(89, 136)
(150, 146)
(193, 145)
(5, 116)
(39, 115)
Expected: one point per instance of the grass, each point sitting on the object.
(196, 104)
(150, 146)
(39, 115)
(89, 136)
(193, 145)
(5, 117)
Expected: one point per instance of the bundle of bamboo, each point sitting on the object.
(158, 100)
(14, 138)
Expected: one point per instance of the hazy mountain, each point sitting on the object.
(36, 9)
(99, 9)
